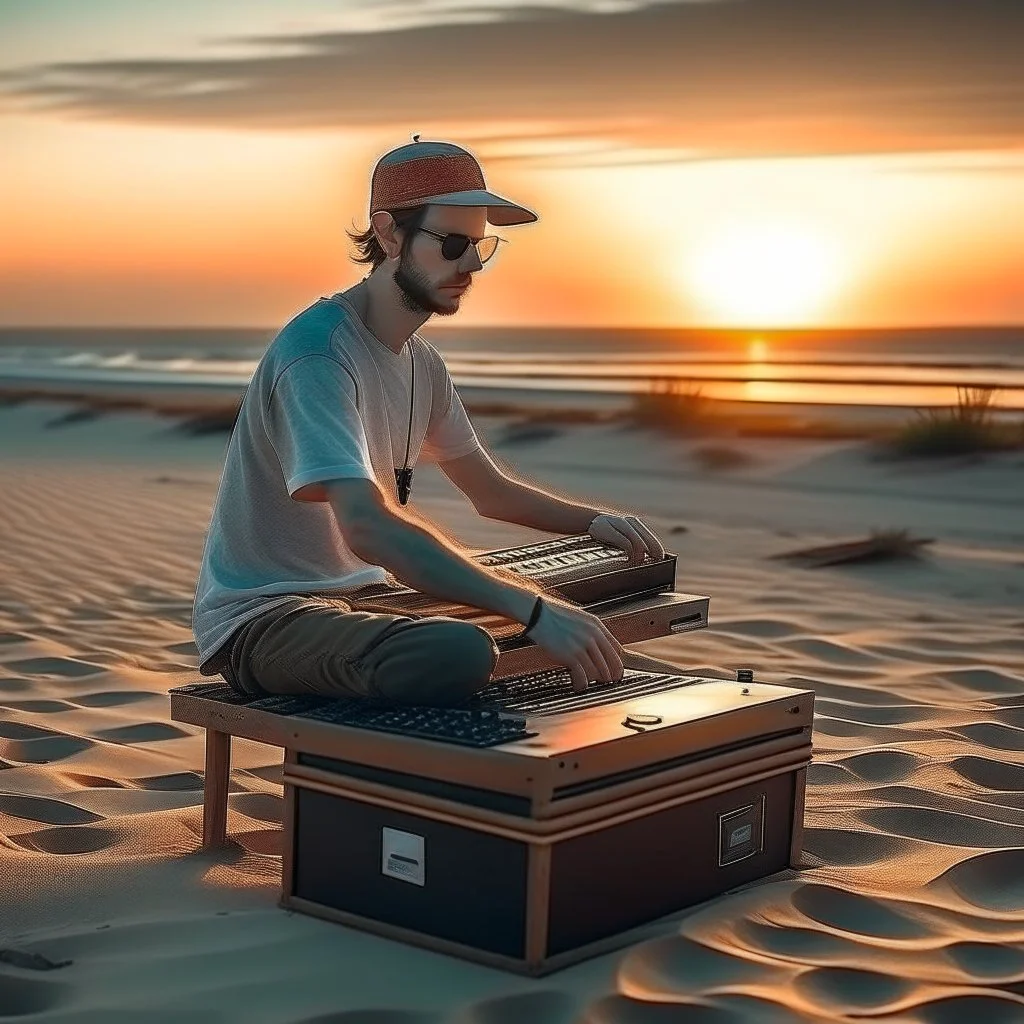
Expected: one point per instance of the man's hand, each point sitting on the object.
(580, 641)
(627, 533)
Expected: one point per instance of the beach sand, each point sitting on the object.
(911, 904)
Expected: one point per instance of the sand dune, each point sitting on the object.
(910, 906)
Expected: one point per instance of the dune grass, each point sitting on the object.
(674, 405)
(677, 406)
(964, 429)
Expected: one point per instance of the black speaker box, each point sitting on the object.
(493, 891)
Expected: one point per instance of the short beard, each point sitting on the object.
(415, 290)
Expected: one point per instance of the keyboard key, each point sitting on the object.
(551, 692)
(465, 727)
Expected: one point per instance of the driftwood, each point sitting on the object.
(880, 546)
(30, 961)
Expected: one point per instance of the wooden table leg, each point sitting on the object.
(796, 842)
(215, 788)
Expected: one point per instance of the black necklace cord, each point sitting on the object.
(403, 476)
(412, 393)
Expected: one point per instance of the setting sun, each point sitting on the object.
(757, 350)
(768, 274)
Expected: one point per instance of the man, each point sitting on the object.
(310, 514)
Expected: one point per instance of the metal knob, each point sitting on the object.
(634, 719)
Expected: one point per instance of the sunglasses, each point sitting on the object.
(453, 247)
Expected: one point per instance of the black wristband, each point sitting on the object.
(534, 615)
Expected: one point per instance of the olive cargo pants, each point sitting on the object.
(318, 645)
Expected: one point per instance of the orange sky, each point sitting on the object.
(208, 180)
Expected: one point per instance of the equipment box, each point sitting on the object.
(534, 833)
(516, 893)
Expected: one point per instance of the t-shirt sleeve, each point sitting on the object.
(449, 432)
(312, 420)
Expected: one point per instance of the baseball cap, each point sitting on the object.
(440, 173)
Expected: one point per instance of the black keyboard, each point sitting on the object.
(556, 556)
(466, 727)
(284, 704)
(551, 692)
(491, 716)
(579, 569)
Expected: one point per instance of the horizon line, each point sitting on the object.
(540, 326)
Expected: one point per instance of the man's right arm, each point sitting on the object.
(420, 556)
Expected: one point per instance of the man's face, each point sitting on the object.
(428, 282)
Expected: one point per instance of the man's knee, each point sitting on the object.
(441, 662)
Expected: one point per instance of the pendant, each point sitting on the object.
(403, 478)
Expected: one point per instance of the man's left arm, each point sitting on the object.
(496, 495)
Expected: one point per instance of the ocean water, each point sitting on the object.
(894, 367)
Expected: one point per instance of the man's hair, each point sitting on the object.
(369, 250)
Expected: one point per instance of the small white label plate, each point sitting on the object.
(402, 856)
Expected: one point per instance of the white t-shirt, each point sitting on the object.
(327, 400)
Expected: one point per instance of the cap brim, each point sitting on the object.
(500, 212)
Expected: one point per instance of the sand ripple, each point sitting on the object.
(53, 812)
(27, 996)
(64, 840)
(992, 881)
(851, 991)
(909, 909)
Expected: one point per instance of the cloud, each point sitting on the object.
(605, 83)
